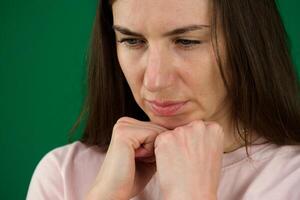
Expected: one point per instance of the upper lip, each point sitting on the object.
(165, 103)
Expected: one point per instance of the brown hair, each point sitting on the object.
(263, 87)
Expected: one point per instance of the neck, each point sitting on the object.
(232, 140)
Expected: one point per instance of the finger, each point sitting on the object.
(146, 147)
(142, 123)
(139, 138)
(143, 151)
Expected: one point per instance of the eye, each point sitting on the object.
(187, 44)
(132, 42)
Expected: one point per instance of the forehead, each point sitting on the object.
(149, 15)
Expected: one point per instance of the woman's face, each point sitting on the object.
(165, 52)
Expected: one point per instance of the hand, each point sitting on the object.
(188, 161)
(129, 163)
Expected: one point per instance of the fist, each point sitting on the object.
(188, 160)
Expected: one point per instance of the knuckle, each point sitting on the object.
(198, 123)
(123, 119)
(118, 126)
(116, 131)
(123, 135)
(119, 131)
(179, 129)
(162, 139)
(213, 126)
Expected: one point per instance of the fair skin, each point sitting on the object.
(184, 148)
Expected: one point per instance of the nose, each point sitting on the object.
(159, 73)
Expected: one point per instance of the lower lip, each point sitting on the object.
(166, 110)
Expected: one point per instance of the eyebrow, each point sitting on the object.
(176, 31)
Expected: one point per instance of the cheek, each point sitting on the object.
(130, 68)
(204, 80)
(125, 62)
(202, 73)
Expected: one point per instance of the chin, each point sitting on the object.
(169, 122)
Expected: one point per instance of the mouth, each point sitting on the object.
(166, 108)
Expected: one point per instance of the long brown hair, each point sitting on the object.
(263, 86)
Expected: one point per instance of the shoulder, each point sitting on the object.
(272, 172)
(75, 152)
(60, 167)
(266, 157)
(71, 154)
(278, 172)
(283, 154)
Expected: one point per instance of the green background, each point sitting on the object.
(43, 49)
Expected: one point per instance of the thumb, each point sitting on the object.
(145, 150)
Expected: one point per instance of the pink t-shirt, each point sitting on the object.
(273, 174)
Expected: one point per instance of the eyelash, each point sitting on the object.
(135, 43)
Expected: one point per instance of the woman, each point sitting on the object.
(193, 99)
